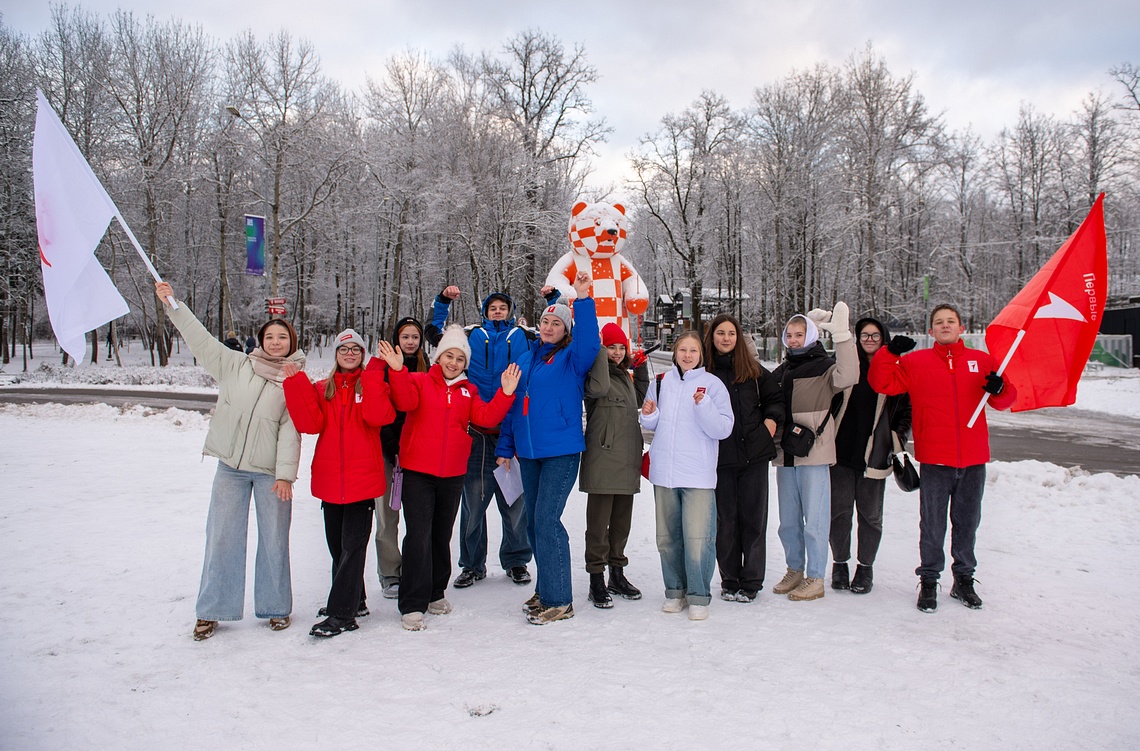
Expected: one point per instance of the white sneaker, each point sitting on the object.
(439, 607)
(413, 621)
(673, 605)
(698, 612)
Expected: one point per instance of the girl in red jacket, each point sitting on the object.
(345, 411)
(434, 448)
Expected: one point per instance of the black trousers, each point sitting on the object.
(742, 525)
(852, 492)
(348, 528)
(429, 504)
(608, 519)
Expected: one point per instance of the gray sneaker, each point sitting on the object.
(390, 587)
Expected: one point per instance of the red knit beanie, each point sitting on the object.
(614, 334)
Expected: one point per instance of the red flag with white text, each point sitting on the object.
(1060, 311)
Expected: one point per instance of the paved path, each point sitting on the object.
(1094, 441)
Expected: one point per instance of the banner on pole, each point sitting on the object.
(1047, 330)
(255, 245)
(72, 214)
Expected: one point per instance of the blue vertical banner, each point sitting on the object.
(255, 245)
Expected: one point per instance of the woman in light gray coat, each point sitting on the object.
(611, 464)
(258, 451)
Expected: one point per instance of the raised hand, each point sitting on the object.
(510, 378)
(386, 352)
(582, 284)
(837, 323)
(900, 345)
(163, 290)
(451, 292)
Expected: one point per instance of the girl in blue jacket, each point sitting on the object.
(694, 416)
(544, 429)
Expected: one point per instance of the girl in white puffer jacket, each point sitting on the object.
(694, 415)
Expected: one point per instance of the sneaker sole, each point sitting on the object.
(536, 619)
(809, 598)
(330, 634)
(959, 599)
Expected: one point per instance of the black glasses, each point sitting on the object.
(865, 337)
(353, 350)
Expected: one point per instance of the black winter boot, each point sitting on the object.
(620, 586)
(598, 594)
(963, 590)
(862, 582)
(840, 576)
(928, 595)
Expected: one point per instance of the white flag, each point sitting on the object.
(72, 214)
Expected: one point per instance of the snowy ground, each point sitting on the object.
(102, 517)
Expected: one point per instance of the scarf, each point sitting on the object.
(270, 367)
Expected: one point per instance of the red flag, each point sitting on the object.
(1060, 312)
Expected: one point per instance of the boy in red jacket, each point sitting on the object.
(434, 448)
(945, 384)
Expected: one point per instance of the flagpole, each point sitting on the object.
(1000, 370)
(142, 254)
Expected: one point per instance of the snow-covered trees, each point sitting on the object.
(833, 182)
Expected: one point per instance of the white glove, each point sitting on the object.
(818, 315)
(837, 326)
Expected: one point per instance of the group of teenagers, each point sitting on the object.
(405, 434)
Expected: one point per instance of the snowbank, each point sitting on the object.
(102, 519)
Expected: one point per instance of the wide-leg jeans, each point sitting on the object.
(221, 594)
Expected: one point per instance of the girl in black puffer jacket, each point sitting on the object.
(742, 466)
(869, 427)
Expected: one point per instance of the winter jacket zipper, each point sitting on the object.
(446, 422)
(343, 416)
(957, 414)
(253, 409)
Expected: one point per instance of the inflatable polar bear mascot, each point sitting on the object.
(597, 234)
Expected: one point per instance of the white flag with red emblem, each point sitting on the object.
(72, 214)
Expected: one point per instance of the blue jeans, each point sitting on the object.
(546, 485)
(686, 540)
(221, 595)
(804, 495)
(479, 486)
(961, 489)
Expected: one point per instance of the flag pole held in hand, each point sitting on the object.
(1000, 370)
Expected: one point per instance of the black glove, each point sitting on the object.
(553, 297)
(900, 345)
(995, 384)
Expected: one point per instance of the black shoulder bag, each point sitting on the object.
(797, 439)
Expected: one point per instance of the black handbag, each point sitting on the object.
(797, 439)
(906, 474)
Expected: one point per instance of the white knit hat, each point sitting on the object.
(560, 311)
(454, 337)
(349, 336)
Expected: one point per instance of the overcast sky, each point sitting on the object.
(975, 62)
